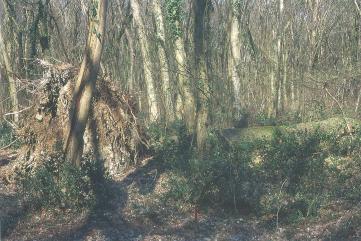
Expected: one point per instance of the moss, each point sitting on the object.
(332, 125)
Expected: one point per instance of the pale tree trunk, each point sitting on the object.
(284, 81)
(187, 103)
(314, 8)
(273, 90)
(234, 62)
(276, 75)
(85, 84)
(356, 46)
(164, 71)
(147, 62)
(202, 110)
(132, 60)
(9, 73)
(280, 56)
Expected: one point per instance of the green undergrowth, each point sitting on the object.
(58, 184)
(7, 136)
(288, 176)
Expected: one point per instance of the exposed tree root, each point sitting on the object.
(112, 134)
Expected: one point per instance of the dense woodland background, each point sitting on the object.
(267, 58)
(248, 108)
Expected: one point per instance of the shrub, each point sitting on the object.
(312, 166)
(262, 119)
(7, 134)
(223, 177)
(60, 184)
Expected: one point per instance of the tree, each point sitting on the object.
(10, 73)
(201, 78)
(164, 68)
(85, 84)
(235, 58)
(147, 63)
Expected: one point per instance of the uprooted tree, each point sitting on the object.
(76, 116)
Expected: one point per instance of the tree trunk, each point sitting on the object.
(164, 68)
(85, 84)
(235, 61)
(132, 61)
(147, 62)
(9, 73)
(187, 98)
(200, 8)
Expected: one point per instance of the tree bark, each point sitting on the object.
(187, 97)
(200, 8)
(235, 60)
(85, 84)
(147, 63)
(9, 73)
(164, 67)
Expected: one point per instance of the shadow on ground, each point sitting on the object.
(10, 212)
(107, 220)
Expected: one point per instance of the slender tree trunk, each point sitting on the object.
(85, 84)
(235, 61)
(200, 8)
(187, 103)
(284, 81)
(147, 62)
(132, 60)
(10, 73)
(164, 71)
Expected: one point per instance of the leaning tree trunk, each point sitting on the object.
(85, 83)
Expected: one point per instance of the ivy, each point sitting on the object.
(93, 9)
(237, 6)
(174, 16)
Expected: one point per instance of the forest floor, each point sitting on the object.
(135, 213)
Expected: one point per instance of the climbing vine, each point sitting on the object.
(174, 16)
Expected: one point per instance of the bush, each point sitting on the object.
(6, 134)
(291, 176)
(224, 177)
(262, 119)
(60, 184)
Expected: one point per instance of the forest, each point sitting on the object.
(180, 120)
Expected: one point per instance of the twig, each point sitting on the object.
(12, 125)
(280, 206)
(18, 112)
(7, 146)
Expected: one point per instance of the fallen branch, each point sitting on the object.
(17, 112)
(8, 145)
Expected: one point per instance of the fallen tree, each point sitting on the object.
(112, 135)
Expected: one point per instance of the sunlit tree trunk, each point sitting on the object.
(10, 73)
(85, 84)
(147, 62)
(187, 102)
(164, 71)
(234, 61)
(132, 60)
